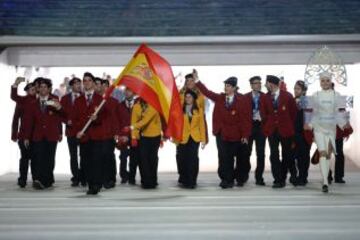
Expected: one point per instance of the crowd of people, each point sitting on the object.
(239, 122)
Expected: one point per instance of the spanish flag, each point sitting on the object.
(150, 77)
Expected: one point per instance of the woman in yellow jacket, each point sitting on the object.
(194, 133)
(146, 136)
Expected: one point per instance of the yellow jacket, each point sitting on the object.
(146, 122)
(200, 99)
(196, 128)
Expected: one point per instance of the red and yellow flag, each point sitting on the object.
(150, 77)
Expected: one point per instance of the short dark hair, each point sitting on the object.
(105, 82)
(302, 85)
(46, 81)
(88, 74)
(97, 79)
(252, 79)
(74, 80)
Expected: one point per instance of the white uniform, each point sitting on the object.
(325, 105)
(325, 117)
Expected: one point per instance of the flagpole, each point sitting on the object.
(94, 114)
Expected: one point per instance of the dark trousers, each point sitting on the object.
(130, 153)
(73, 145)
(92, 157)
(243, 166)
(188, 162)
(279, 168)
(25, 156)
(339, 159)
(44, 161)
(232, 152)
(302, 157)
(148, 162)
(109, 162)
(219, 146)
(258, 136)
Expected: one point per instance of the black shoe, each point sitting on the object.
(260, 183)
(75, 184)
(330, 179)
(278, 185)
(21, 183)
(240, 184)
(124, 181)
(83, 184)
(340, 181)
(38, 185)
(132, 182)
(293, 181)
(301, 183)
(148, 186)
(92, 191)
(325, 188)
(225, 185)
(109, 185)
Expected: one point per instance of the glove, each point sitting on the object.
(134, 142)
(126, 130)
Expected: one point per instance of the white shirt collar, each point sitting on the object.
(277, 93)
(89, 92)
(231, 98)
(44, 98)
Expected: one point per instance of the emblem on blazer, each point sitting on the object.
(233, 112)
(51, 113)
(284, 108)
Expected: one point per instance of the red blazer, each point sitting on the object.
(124, 115)
(18, 113)
(111, 121)
(282, 119)
(232, 123)
(82, 113)
(262, 102)
(69, 109)
(39, 125)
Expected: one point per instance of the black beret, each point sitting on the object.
(272, 79)
(37, 80)
(192, 93)
(29, 85)
(232, 81)
(74, 80)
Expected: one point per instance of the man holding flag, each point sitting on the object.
(150, 77)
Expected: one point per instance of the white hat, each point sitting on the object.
(325, 74)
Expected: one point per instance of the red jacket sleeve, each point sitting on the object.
(209, 94)
(15, 96)
(15, 123)
(28, 120)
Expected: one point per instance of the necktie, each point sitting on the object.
(256, 103)
(274, 101)
(42, 106)
(88, 98)
(227, 102)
